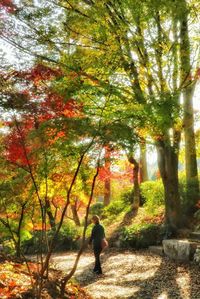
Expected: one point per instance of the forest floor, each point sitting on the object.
(134, 274)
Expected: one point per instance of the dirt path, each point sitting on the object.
(136, 275)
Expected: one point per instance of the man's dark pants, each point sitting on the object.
(97, 267)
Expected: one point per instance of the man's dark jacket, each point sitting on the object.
(97, 235)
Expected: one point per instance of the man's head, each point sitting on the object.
(95, 219)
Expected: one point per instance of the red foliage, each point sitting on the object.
(55, 106)
(58, 201)
(52, 108)
(15, 150)
(39, 73)
(106, 173)
(43, 106)
(8, 5)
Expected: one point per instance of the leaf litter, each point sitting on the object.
(134, 275)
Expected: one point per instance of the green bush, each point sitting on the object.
(114, 208)
(8, 246)
(66, 240)
(97, 209)
(141, 235)
(188, 194)
(127, 197)
(152, 193)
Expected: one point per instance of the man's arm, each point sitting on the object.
(92, 236)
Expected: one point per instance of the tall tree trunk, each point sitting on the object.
(107, 183)
(168, 166)
(136, 193)
(188, 85)
(143, 171)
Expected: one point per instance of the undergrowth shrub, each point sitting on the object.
(120, 204)
(127, 197)
(142, 235)
(96, 209)
(66, 240)
(188, 194)
(114, 208)
(152, 193)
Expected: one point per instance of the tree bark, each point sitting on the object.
(188, 91)
(136, 193)
(107, 183)
(18, 243)
(50, 214)
(75, 213)
(168, 166)
(143, 171)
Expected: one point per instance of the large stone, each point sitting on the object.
(157, 250)
(195, 236)
(182, 250)
(197, 255)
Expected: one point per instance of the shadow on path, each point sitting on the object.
(138, 275)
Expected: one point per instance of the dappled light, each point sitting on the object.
(137, 275)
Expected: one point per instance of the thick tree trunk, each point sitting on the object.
(188, 91)
(190, 146)
(168, 166)
(107, 183)
(143, 171)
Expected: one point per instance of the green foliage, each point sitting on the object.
(127, 197)
(67, 237)
(153, 194)
(8, 246)
(97, 209)
(114, 208)
(66, 240)
(189, 195)
(141, 235)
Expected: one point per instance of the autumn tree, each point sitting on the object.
(125, 61)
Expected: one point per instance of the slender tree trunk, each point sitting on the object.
(75, 213)
(143, 171)
(168, 166)
(136, 193)
(50, 214)
(107, 184)
(73, 270)
(18, 243)
(53, 241)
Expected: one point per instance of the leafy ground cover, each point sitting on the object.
(16, 281)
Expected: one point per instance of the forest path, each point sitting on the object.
(136, 275)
